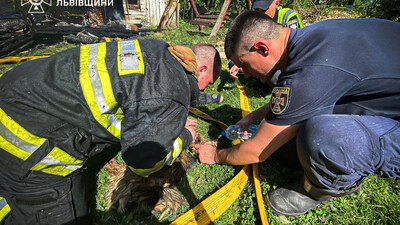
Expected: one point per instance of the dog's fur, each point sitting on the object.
(154, 194)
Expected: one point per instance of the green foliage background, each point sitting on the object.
(385, 9)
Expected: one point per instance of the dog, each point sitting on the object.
(155, 194)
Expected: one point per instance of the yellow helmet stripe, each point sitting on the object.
(169, 159)
(177, 150)
(147, 172)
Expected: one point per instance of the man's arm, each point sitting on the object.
(153, 134)
(267, 140)
(253, 117)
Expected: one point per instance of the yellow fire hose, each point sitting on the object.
(19, 59)
(216, 204)
(245, 107)
(205, 116)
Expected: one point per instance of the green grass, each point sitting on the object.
(378, 201)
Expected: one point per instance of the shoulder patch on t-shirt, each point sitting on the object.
(293, 24)
(280, 99)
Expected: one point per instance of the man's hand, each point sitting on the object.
(207, 153)
(251, 118)
(245, 122)
(234, 71)
(191, 126)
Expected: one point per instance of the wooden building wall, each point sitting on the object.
(149, 12)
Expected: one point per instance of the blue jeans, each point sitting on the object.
(336, 151)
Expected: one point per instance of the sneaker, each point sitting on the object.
(292, 200)
(210, 98)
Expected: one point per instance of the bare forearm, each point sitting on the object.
(257, 149)
(241, 154)
(260, 113)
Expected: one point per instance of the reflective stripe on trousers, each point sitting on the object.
(15, 139)
(4, 208)
(59, 163)
(20, 143)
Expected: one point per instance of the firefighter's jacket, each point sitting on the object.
(58, 112)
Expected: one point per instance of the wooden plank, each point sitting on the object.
(248, 4)
(168, 12)
(220, 19)
(206, 20)
(208, 16)
(201, 22)
(196, 13)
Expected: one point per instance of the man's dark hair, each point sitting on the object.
(248, 27)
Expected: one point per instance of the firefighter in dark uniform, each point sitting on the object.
(285, 16)
(64, 116)
(338, 94)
